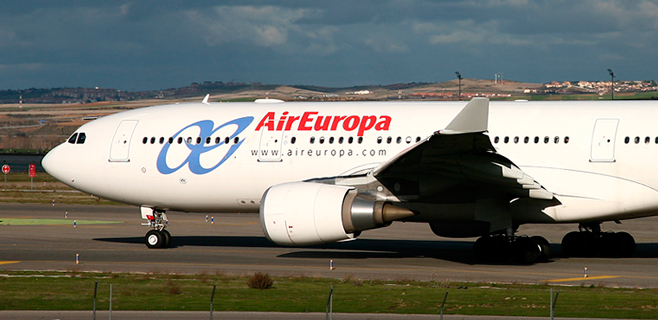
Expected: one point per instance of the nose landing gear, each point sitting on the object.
(158, 237)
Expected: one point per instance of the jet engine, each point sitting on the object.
(304, 213)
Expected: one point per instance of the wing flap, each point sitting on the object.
(459, 159)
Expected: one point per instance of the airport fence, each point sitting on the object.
(444, 310)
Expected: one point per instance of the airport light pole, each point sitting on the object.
(459, 79)
(612, 83)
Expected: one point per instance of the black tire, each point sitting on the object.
(154, 239)
(544, 248)
(490, 249)
(571, 244)
(526, 250)
(483, 249)
(167, 239)
(629, 244)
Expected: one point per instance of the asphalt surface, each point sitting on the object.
(234, 244)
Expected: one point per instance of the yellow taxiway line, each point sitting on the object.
(8, 262)
(581, 279)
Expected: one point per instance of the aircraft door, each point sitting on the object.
(270, 146)
(603, 140)
(119, 150)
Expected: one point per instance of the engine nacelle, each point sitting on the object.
(304, 213)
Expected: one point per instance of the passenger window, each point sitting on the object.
(144, 141)
(417, 139)
(360, 140)
(74, 137)
(189, 140)
(408, 140)
(566, 139)
(637, 140)
(506, 140)
(379, 140)
(647, 140)
(218, 140)
(161, 140)
(350, 140)
(81, 138)
(628, 139)
(398, 140)
(340, 140)
(171, 140)
(236, 140)
(312, 140)
(293, 140)
(536, 139)
(556, 140)
(321, 140)
(526, 139)
(656, 140)
(331, 140)
(546, 139)
(516, 139)
(198, 140)
(208, 140)
(496, 139)
(389, 139)
(152, 140)
(227, 140)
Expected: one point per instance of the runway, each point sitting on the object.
(235, 244)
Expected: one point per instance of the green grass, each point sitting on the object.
(45, 190)
(51, 222)
(74, 291)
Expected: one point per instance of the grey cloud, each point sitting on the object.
(151, 44)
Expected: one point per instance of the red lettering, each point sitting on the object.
(279, 126)
(337, 120)
(311, 121)
(291, 120)
(305, 119)
(267, 121)
(383, 124)
(367, 122)
(351, 123)
(320, 126)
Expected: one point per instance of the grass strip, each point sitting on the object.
(23, 290)
(49, 222)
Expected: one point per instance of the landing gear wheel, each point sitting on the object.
(488, 249)
(154, 239)
(544, 248)
(593, 243)
(167, 239)
(525, 250)
(579, 244)
(629, 244)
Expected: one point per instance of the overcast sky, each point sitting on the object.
(140, 45)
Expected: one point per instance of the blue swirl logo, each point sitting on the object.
(193, 160)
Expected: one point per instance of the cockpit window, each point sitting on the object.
(81, 138)
(73, 138)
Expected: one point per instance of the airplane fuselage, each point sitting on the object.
(595, 157)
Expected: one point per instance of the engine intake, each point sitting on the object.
(303, 213)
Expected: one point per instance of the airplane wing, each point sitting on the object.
(456, 163)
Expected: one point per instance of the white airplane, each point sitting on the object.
(324, 172)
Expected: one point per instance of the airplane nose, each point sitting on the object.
(58, 164)
(49, 162)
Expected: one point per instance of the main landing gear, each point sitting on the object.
(158, 237)
(591, 242)
(500, 248)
